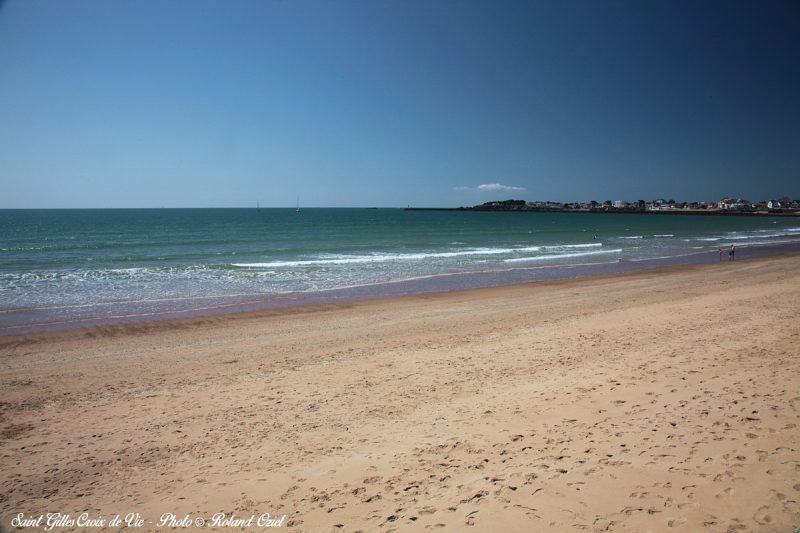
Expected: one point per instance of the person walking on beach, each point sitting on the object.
(731, 253)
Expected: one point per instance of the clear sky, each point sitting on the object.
(197, 103)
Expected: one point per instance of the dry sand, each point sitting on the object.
(658, 401)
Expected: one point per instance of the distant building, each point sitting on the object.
(734, 204)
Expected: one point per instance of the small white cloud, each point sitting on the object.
(492, 187)
(499, 187)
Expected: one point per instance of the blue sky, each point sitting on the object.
(390, 103)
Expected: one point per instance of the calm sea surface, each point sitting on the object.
(67, 268)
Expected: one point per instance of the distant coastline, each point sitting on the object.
(725, 207)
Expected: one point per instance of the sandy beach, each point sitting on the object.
(662, 400)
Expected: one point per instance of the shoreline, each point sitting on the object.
(653, 400)
(220, 306)
(143, 327)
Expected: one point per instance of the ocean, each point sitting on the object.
(83, 267)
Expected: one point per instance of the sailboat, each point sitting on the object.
(298, 204)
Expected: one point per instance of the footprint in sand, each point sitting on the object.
(289, 491)
(736, 525)
(677, 522)
(391, 518)
(727, 492)
(762, 516)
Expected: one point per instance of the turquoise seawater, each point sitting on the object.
(60, 266)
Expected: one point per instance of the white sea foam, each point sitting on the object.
(658, 235)
(588, 245)
(760, 234)
(383, 258)
(773, 235)
(560, 256)
(737, 237)
(765, 243)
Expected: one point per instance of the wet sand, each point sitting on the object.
(651, 401)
